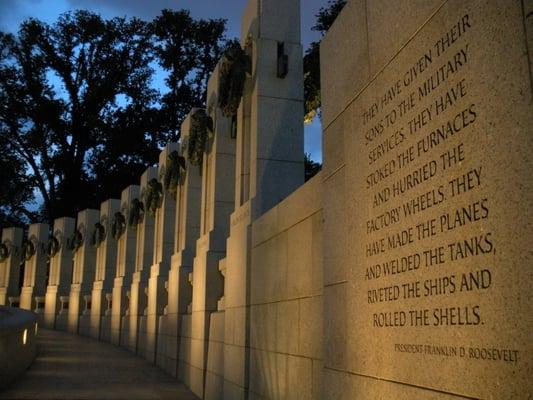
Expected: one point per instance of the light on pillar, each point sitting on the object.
(24, 337)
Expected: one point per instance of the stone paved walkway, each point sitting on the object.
(75, 367)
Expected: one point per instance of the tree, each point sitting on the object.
(188, 50)
(15, 189)
(311, 167)
(324, 19)
(79, 118)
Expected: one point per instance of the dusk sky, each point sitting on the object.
(13, 12)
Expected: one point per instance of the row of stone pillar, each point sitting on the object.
(124, 273)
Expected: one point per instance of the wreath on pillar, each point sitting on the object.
(99, 234)
(52, 247)
(173, 174)
(200, 132)
(232, 74)
(135, 213)
(28, 250)
(75, 242)
(4, 252)
(118, 225)
(153, 196)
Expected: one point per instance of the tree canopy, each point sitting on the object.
(79, 112)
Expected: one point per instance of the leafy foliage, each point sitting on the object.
(173, 175)
(118, 225)
(200, 132)
(188, 50)
(153, 196)
(311, 167)
(78, 111)
(135, 213)
(233, 67)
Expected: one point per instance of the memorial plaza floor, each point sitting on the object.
(75, 367)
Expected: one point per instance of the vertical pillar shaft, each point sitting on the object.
(10, 264)
(60, 276)
(218, 188)
(163, 247)
(269, 160)
(83, 271)
(35, 270)
(105, 240)
(125, 260)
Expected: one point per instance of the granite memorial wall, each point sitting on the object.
(437, 142)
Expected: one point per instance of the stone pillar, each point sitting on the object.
(186, 232)
(112, 223)
(269, 161)
(10, 256)
(82, 272)
(218, 188)
(165, 216)
(143, 260)
(60, 275)
(125, 260)
(35, 269)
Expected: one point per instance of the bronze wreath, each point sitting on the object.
(52, 247)
(76, 240)
(4, 252)
(200, 132)
(232, 75)
(28, 250)
(99, 234)
(135, 213)
(118, 225)
(153, 196)
(172, 177)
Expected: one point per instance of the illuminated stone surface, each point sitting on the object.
(217, 204)
(82, 274)
(34, 283)
(144, 251)
(125, 264)
(106, 261)
(60, 275)
(164, 225)
(185, 232)
(430, 198)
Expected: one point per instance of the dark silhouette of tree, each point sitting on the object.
(324, 19)
(15, 188)
(79, 117)
(311, 167)
(188, 50)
